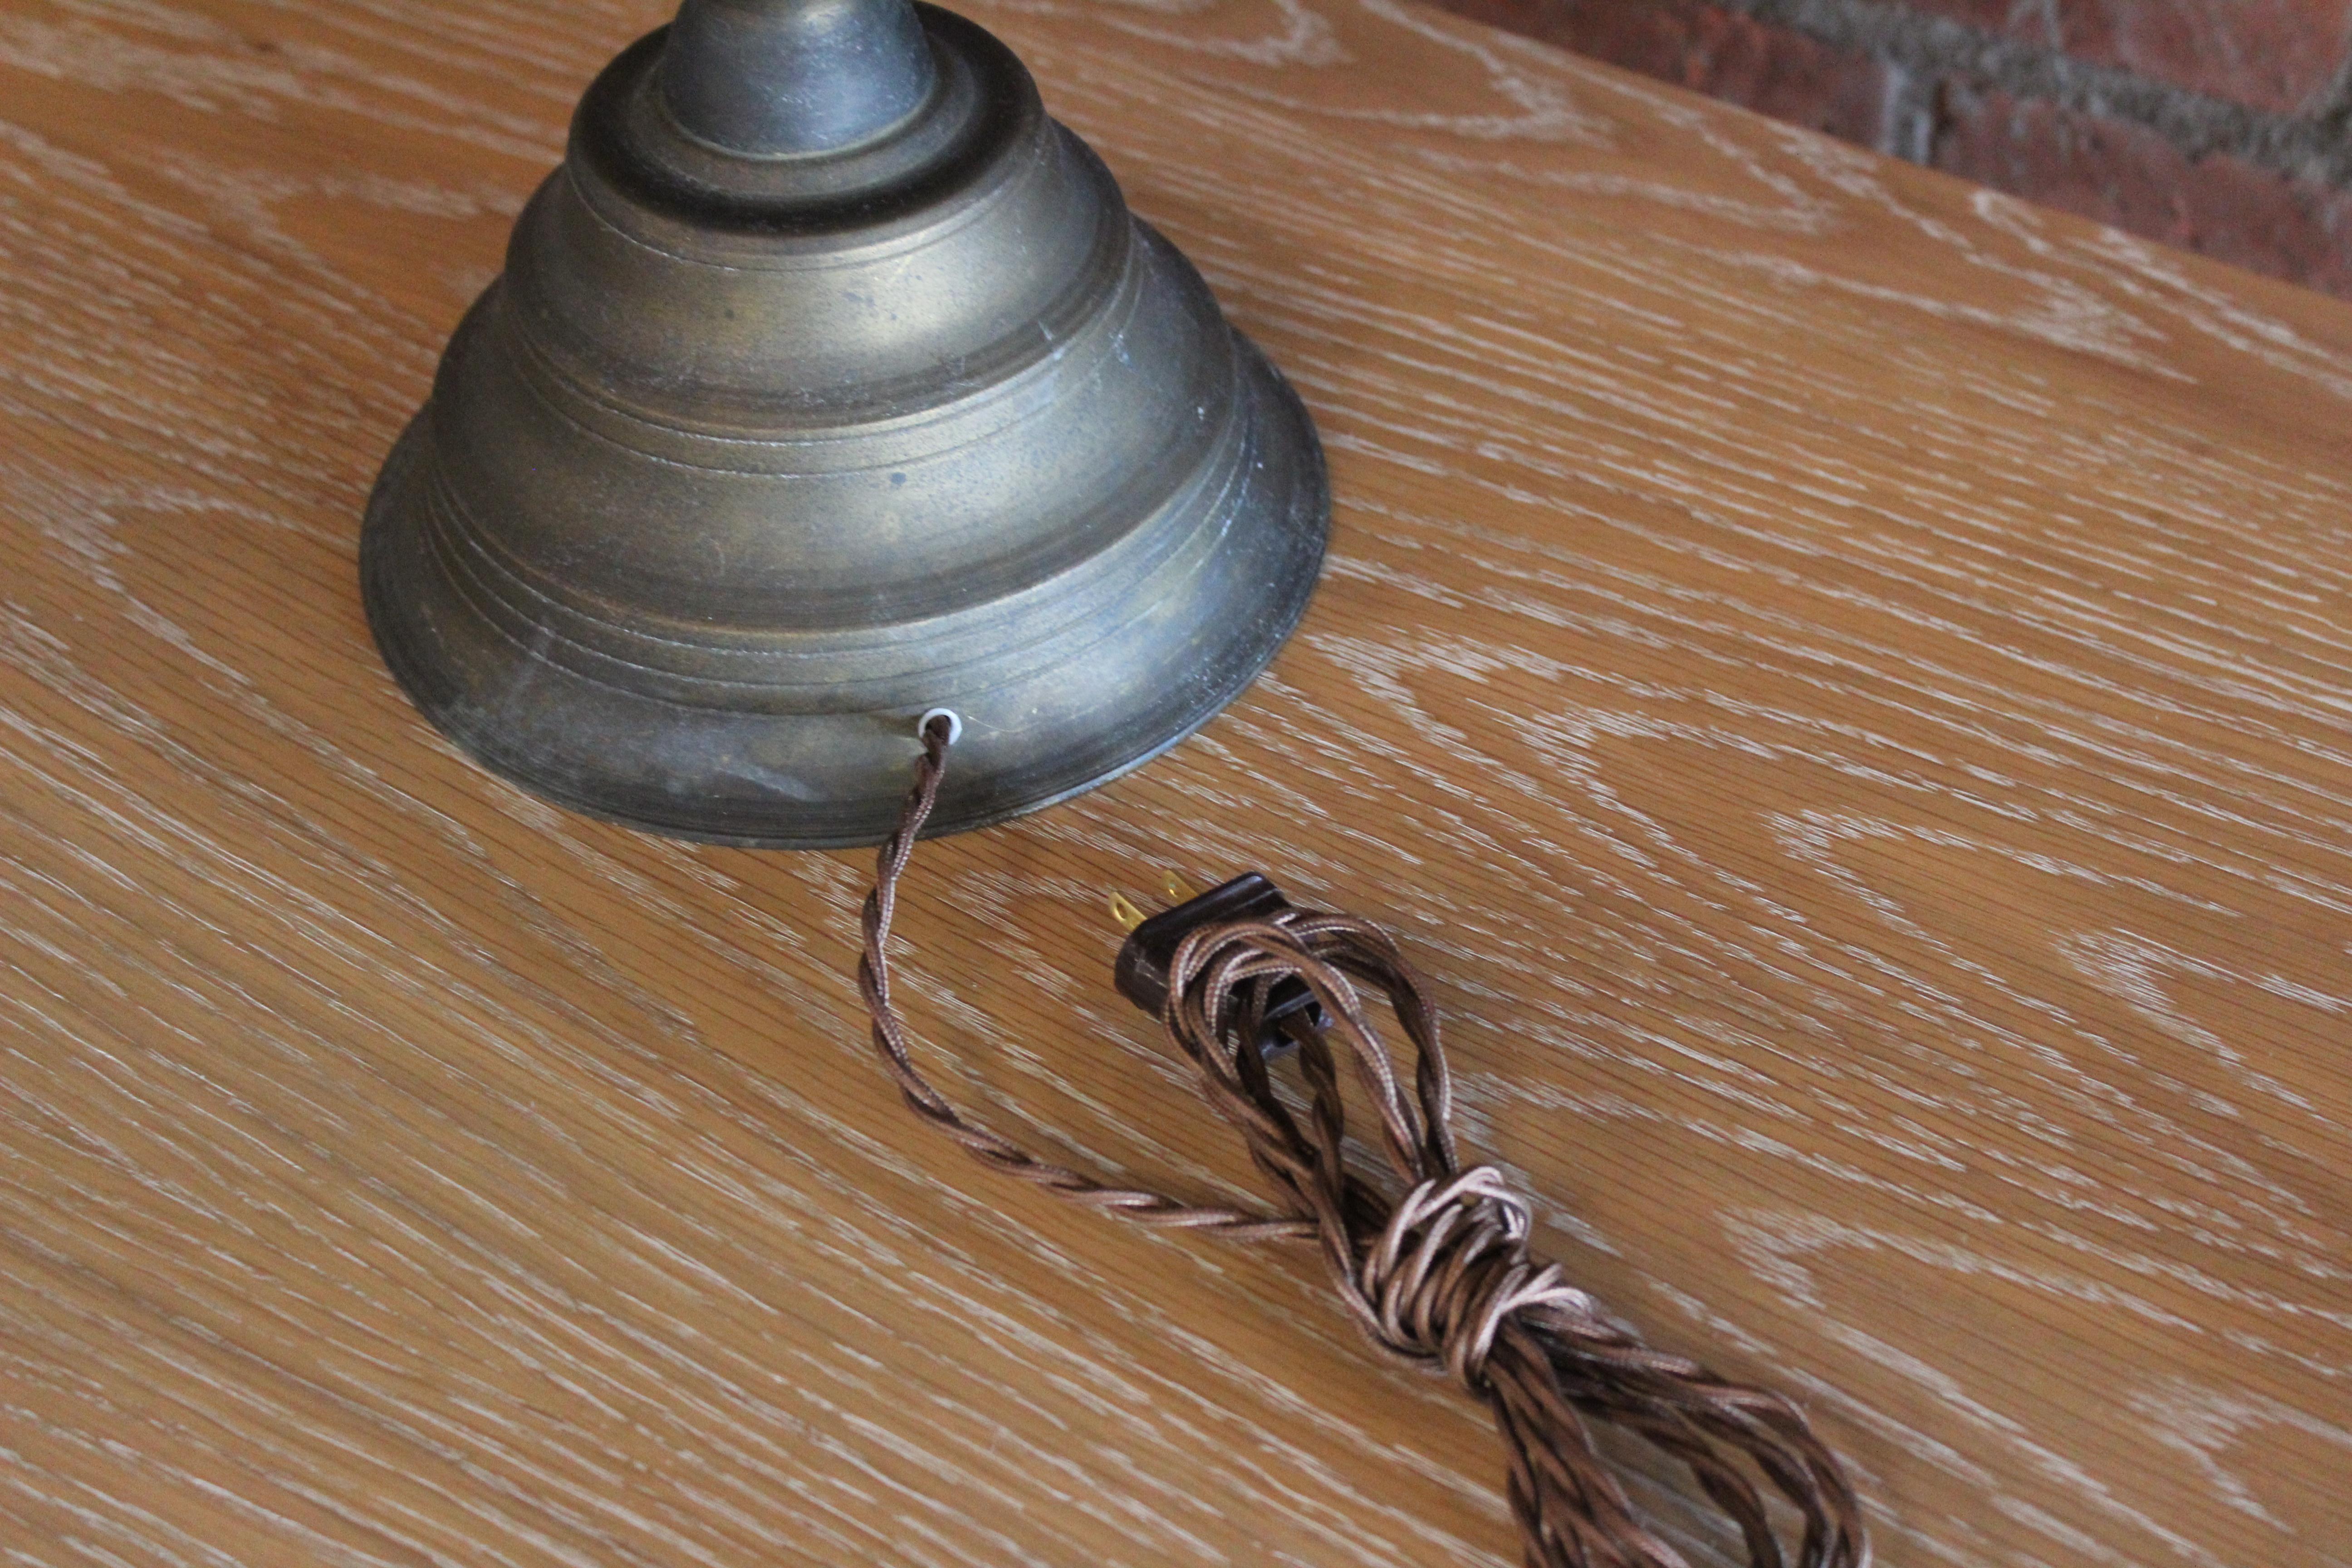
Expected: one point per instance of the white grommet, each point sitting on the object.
(954, 719)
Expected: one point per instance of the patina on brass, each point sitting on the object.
(830, 382)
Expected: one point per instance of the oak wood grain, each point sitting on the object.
(1924, 982)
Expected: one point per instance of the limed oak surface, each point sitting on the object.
(1840, 678)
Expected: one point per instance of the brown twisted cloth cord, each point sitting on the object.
(1442, 1274)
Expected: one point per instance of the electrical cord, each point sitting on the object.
(1442, 1275)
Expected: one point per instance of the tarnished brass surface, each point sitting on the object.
(748, 459)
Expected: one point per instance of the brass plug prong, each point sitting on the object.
(1123, 910)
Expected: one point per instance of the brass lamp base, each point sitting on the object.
(798, 414)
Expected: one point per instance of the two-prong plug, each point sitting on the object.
(1152, 940)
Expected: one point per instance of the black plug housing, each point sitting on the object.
(1142, 971)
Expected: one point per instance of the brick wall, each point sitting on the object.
(2222, 125)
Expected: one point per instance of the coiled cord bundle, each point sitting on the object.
(1441, 1274)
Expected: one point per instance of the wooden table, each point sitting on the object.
(1841, 677)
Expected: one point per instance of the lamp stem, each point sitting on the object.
(781, 78)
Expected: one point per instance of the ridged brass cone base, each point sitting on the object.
(747, 460)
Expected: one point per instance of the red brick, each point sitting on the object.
(2281, 56)
(2128, 176)
(1711, 50)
